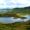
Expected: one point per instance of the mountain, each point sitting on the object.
(25, 10)
(21, 10)
(27, 7)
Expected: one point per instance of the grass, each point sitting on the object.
(13, 26)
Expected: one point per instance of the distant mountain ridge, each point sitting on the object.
(27, 7)
(16, 7)
(18, 10)
(21, 10)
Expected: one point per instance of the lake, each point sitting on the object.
(12, 20)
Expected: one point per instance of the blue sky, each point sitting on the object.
(14, 3)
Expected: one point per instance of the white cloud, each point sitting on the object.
(1, 2)
(14, 3)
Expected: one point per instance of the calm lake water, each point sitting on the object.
(11, 19)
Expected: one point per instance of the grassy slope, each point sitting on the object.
(21, 11)
(13, 26)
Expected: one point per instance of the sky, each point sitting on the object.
(14, 3)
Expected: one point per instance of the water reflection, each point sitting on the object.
(11, 19)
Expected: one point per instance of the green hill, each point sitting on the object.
(21, 10)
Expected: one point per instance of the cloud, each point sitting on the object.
(14, 3)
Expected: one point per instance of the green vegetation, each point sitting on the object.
(15, 11)
(15, 26)
(21, 10)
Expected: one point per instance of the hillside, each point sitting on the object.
(25, 10)
(15, 11)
